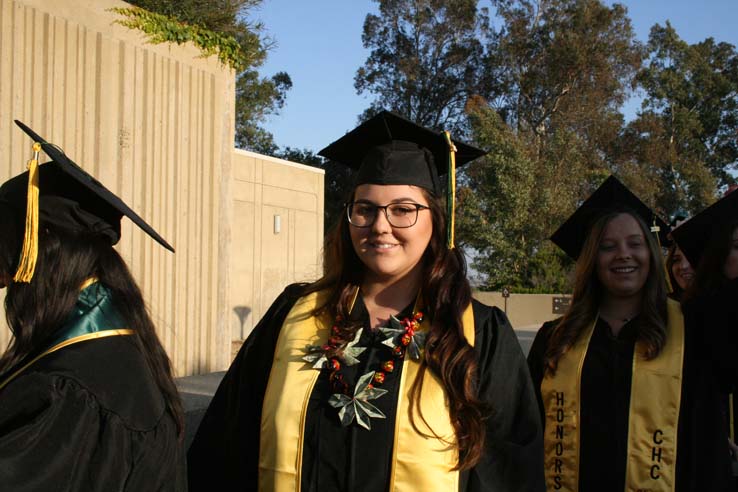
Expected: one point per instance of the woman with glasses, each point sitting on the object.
(384, 374)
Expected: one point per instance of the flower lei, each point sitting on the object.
(401, 336)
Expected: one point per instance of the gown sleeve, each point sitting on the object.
(225, 449)
(722, 321)
(513, 456)
(54, 435)
(713, 322)
(535, 363)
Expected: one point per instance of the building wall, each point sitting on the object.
(152, 122)
(525, 311)
(277, 217)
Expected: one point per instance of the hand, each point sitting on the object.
(733, 449)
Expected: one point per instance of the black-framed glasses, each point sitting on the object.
(401, 215)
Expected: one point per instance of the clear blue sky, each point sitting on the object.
(319, 44)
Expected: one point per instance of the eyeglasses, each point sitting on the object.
(401, 215)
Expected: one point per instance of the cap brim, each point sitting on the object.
(611, 196)
(693, 236)
(91, 185)
(386, 127)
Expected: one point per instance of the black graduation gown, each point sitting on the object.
(226, 446)
(715, 315)
(88, 417)
(702, 458)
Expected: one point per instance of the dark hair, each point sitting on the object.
(676, 289)
(710, 273)
(588, 292)
(36, 310)
(447, 353)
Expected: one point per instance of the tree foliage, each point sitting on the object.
(551, 121)
(684, 142)
(160, 28)
(426, 59)
(257, 97)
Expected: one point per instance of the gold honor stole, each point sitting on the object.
(419, 462)
(655, 397)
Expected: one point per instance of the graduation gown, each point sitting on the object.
(702, 458)
(88, 417)
(716, 317)
(226, 448)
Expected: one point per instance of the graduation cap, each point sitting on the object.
(693, 236)
(611, 196)
(62, 194)
(678, 218)
(390, 150)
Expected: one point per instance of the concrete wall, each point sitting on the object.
(525, 311)
(152, 122)
(277, 217)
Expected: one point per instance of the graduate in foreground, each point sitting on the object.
(629, 392)
(384, 374)
(87, 400)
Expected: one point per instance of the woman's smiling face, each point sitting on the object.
(681, 269)
(623, 258)
(388, 252)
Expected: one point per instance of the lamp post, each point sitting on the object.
(505, 295)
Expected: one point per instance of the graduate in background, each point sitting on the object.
(710, 240)
(678, 268)
(384, 374)
(628, 393)
(87, 400)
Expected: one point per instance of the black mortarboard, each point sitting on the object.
(67, 197)
(389, 149)
(694, 235)
(611, 196)
(678, 217)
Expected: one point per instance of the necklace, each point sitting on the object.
(401, 336)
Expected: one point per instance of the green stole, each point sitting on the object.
(93, 316)
(653, 420)
(419, 462)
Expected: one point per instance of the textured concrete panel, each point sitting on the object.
(155, 124)
(265, 261)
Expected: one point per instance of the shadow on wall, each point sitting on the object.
(243, 313)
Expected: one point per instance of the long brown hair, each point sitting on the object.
(588, 293)
(447, 353)
(709, 274)
(676, 290)
(36, 310)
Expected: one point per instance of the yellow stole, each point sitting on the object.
(655, 399)
(419, 462)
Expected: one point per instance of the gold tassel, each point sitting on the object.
(655, 229)
(451, 192)
(29, 254)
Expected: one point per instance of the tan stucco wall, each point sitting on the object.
(155, 124)
(525, 311)
(264, 261)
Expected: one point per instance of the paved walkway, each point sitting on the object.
(196, 392)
